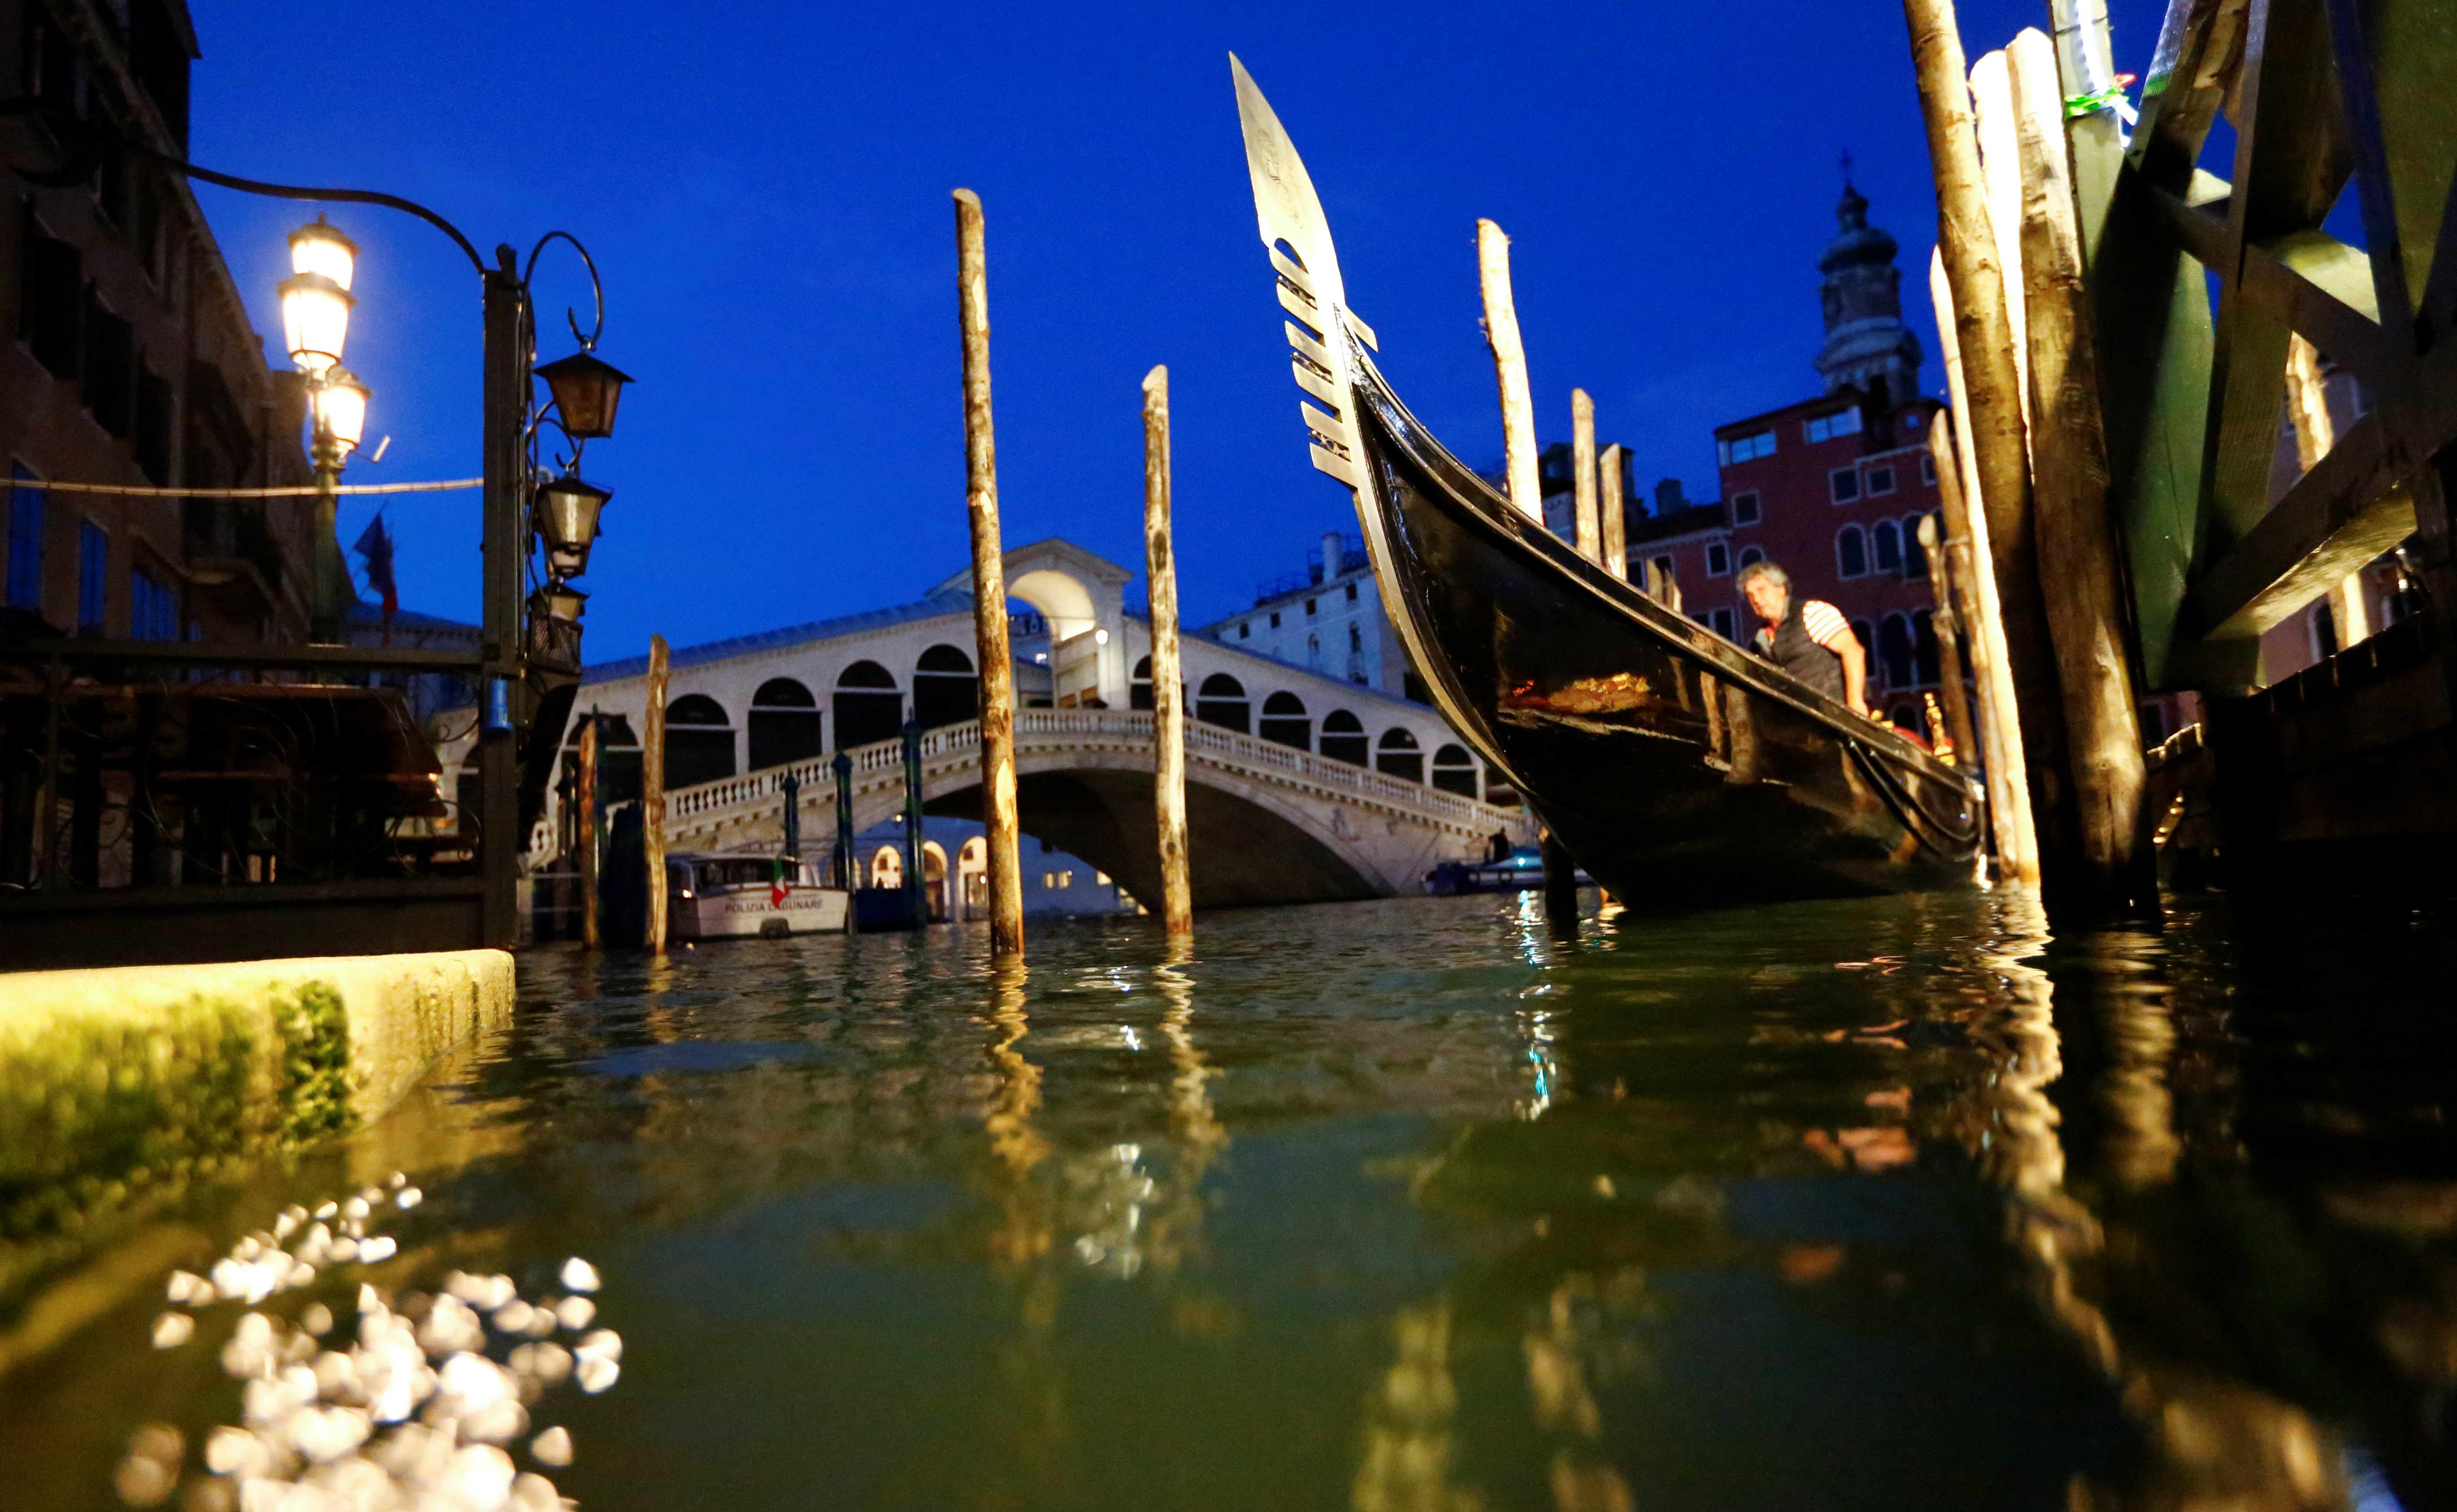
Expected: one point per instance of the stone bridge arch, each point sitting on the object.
(1267, 824)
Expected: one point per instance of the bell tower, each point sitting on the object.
(1867, 346)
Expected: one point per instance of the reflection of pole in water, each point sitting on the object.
(1015, 1144)
(2213, 1444)
(1177, 1216)
(1407, 1458)
(1557, 1386)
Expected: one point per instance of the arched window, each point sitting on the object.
(1924, 645)
(1343, 738)
(934, 878)
(886, 868)
(1455, 771)
(699, 742)
(1850, 551)
(1313, 652)
(1750, 556)
(1223, 702)
(1399, 755)
(1139, 687)
(1915, 555)
(784, 724)
(1284, 722)
(868, 708)
(1894, 651)
(1888, 539)
(945, 690)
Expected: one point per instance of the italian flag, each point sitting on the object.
(779, 889)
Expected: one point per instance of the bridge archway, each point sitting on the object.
(868, 707)
(1246, 852)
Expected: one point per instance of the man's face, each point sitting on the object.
(1769, 601)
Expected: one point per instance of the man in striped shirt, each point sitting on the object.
(1809, 638)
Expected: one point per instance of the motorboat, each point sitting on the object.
(735, 897)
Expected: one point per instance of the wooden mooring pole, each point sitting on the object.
(989, 586)
(584, 821)
(652, 796)
(1949, 645)
(1993, 385)
(1966, 548)
(1509, 371)
(2074, 527)
(1613, 524)
(1168, 689)
(1588, 529)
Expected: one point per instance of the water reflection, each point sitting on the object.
(1902, 1204)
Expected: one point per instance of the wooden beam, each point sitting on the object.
(652, 794)
(1587, 533)
(1615, 522)
(1169, 686)
(2316, 432)
(2348, 509)
(989, 586)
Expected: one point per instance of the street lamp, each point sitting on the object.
(316, 304)
(566, 514)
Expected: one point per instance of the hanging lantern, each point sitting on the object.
(585, 391)
(567, 513)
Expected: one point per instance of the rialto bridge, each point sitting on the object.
(1300, 787)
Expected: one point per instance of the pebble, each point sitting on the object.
(324, 1433)
(544, 1363)
(514, 1317)
(397, 1179)
(408, 1197)
(382, 1246)
(575, 1313)
(604, 1343)
(479, 1476)
(317, 1320)
(144, 1482)
(579, 1275)
(552, 1448)
(329, 1209)
(534, 1493)
(596, 1373)
(236, 1451)
(183, 1285)
(173, 1329)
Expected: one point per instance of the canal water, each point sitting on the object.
(1889, 1204)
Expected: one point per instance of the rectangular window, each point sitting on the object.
(1719, 559)
(1275, 619)
(1663, 568)
(1049, 880)
(1744, 508)
(1881, 479)
(26, 546)
(153, 608)
(1352, 593)
(1246, 630)
(1825, 427)
(1723, 622)
(1309, 607)
(1846, 484)
(94, 576)
(51, 308)
(1928, 470)
(1065, 879)
(110, 369)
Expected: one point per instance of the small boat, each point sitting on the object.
(1522, 871)
(738, 896)
(1678, 769)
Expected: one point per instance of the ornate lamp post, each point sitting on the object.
(315, 305)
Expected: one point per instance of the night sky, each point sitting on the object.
(766, 193)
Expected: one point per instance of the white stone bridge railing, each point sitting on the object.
(1043, 732)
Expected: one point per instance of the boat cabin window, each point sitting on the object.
(732, 871)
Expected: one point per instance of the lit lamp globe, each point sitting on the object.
(320, 247)
(585, 391)
(315, 321)
(567, 520)
(341, 407)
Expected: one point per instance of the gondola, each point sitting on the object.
(1678, 769)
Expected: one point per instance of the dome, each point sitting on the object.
(1860, 242)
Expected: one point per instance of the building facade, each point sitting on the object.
(1831, 488)
(133, 362)
(1328, 619)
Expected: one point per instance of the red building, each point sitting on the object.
(1831, 488)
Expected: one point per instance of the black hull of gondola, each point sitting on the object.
(1681, 771)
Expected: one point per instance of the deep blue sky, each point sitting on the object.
(766, 192)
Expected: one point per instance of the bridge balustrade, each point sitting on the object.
(1225, 748)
